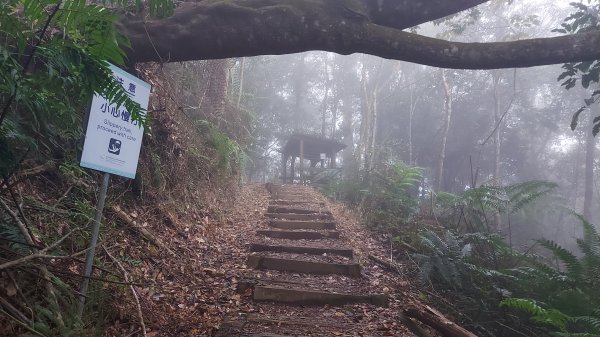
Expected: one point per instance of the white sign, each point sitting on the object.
(113, 140)
(323, 156)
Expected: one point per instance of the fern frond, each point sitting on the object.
(574, 267)
(587, 323)
(523, 194)
(537, 314)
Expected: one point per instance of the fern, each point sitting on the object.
(574, 267)
(473, 209)
(537, 314)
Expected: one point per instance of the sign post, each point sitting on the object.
(112, 145)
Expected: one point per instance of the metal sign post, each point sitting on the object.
(112, 145)
(89, 257)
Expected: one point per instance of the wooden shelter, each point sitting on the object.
(315, 149)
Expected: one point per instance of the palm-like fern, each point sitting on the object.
(392, 196)
(473, 209)
(569, 290)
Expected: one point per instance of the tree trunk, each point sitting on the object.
(325, 103)
(446, 128)
(590, 147)
(299, 81)
(497, 138)
(241, 86)
(411, 113)
(347, 130)
(216, 93)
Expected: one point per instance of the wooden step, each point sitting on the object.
(299, 235)
(305, 267)
(294, 216)
(255, 247)
(284, 324)
(280, 202)
(282, 209)
(312, 297)
(296, 224)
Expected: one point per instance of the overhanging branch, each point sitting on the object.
(233, 28)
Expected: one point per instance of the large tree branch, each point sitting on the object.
(404, 14)
(233, 28)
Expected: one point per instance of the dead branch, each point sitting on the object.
(140, 230)
(15, 312)
(20, 224)
(135, 295)
(439, 322)
(389, 266)
(40, 254)
(412, 326)
(29, 328)
(24, 174)
(45, 273)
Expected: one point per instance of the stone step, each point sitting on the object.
(312, 297)
(282, 209)
(296, 224)
(255, 247)
(294, 216)
(304, 267)
(299, 235)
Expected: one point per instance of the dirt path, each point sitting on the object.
(216, 286)
(308, 274)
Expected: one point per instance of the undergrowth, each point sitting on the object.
(465, 265)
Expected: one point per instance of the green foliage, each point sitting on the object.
(231, 157)
(12, 238)
(53, 57)
(551, 317)
(392, 196)
(475, 208)
(585, 18)
(443, 260)
(554, 294)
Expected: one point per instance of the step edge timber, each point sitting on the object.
(300, 266)
(314, 297)
(256, 247)
(288, 202)
(296, 216)
(282, 209)
(299, 224)
(298, 235)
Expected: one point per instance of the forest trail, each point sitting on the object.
(308, 273)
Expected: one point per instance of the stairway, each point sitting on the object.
(298, 265)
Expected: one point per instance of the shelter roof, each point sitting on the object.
(313, 146)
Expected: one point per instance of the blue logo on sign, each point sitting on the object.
(114, 146)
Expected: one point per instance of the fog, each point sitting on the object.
(464, 128)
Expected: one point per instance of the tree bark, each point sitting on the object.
(590, 147)
(299, 89)
(211, 29)
(445, 130)
(325, 103)
(497, 138)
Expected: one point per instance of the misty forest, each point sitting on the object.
(306, 168)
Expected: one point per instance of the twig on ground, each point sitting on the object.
(135, 295)
(39, 254)
(413, 327)
(30, 329)
(390, 266)
(20, 224)
(19, 315)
